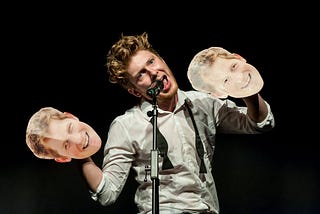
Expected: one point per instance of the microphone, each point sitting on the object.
(155, 88)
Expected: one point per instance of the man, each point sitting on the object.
(135, 65)
(188, 122)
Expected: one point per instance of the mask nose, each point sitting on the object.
(76, 138)
(77, 142)
(238, 77)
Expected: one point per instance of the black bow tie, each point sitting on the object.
(163, 145)
(163, 149)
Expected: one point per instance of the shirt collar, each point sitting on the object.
(146, 106)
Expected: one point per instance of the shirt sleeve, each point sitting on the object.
(268, 123)
(94, 195)
(231, 118)
(118, 158)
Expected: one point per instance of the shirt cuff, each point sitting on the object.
(268, 121)
(94, 195)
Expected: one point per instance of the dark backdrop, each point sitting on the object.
(54, 55)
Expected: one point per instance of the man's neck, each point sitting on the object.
(168, 104)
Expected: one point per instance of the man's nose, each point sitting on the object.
(153, 74)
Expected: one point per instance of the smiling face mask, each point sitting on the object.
(222, 74)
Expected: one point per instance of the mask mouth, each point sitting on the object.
(86, 143)
(247, 81)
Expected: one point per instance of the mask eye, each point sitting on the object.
(66, 145)
(234, 67)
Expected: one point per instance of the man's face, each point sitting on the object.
(233, 77)
(145, 67)
(72, 138)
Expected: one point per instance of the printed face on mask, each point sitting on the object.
(226, 76)
(72, 139)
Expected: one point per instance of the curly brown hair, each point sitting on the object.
(120, 54)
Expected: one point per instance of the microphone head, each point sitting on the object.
(159, 84)
(155, 88)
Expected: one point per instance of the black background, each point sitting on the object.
(54, 55)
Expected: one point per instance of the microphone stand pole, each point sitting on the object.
(154, 159)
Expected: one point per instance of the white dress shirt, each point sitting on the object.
(183, 188)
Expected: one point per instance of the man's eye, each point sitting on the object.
(150, 61)
(141, 74)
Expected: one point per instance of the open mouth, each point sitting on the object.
(164, 80)
(164, 77)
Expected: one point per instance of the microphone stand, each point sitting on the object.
(154, 170)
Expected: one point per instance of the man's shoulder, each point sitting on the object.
(130, 115)
(194, 94)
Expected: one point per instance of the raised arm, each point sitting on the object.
(257, 108)
(91, 173)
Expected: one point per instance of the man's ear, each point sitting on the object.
(134, 92)
(62, 160)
